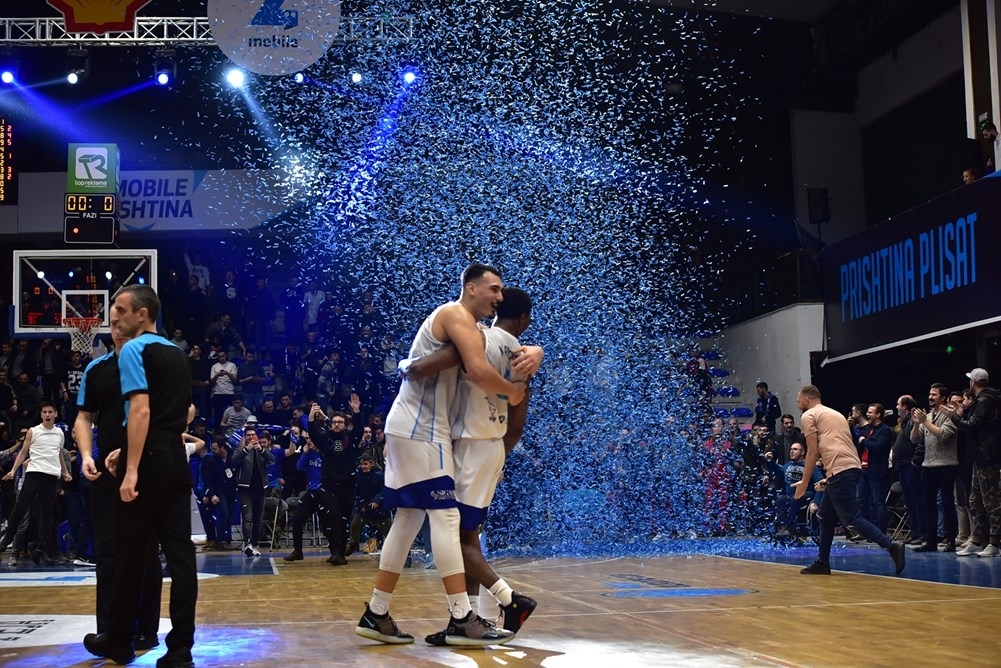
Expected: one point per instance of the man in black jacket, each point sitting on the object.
(873, 445)
(338, 446)
(982, 423)
(908, 473)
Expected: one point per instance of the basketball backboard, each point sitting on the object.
(56, 284)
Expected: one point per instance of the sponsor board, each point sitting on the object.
(274, 37)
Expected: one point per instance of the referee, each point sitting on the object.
(155, 487)
(100, 404)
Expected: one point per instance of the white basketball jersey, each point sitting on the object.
(480, 414)
(421, 409)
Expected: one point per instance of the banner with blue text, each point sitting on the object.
(921, 274)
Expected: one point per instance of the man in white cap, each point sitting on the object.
(981, 422)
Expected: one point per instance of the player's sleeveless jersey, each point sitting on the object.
(421, 409)
(477, 413)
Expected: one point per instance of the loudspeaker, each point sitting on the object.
(819, 205)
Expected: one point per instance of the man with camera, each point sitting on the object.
(251, 462)
(338, 454)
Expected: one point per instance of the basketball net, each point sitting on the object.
(82, 332)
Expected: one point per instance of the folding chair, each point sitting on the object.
(896, 511)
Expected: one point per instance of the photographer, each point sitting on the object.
(250, 462)
(338, 447)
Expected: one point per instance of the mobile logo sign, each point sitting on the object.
(274, 37)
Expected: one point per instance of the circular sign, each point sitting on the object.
(274, 37)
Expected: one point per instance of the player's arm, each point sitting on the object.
(64, 463)
(516, 416)
(197, 442)
(527, 360)
(462, 332)
(137, 430)
(423, 367)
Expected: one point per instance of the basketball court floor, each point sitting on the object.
(720, 604)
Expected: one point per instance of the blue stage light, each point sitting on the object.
(356, 77)
(236, 78)
(409, 77)
(164, 66)
(77, 65)
(8, 66)
(299, 77)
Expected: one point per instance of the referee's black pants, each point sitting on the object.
(104, 502)
(161, 513)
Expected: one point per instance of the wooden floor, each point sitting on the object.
(688, 610)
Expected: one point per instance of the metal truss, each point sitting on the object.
(176, 31)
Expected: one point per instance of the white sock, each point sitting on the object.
(458, 605)
(488, 605)
(474, 602)
(380, 602)
(502, 591)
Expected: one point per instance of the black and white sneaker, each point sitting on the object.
(437, 639)
(381, 628)
(474, 631)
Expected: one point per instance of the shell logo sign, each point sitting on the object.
(98, 16)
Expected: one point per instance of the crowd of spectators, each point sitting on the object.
(255, 356)
(260, 360)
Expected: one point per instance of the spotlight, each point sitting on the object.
(299, 78)
(108, 275)
(8, 67)
(164, 67)
(356, 77)
(236, 77)
(409, 77)
(40, 274)
(77, 65)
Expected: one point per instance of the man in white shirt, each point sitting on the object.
(312, 300)
(221, 378)
(44, 442)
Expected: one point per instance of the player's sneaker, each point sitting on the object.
(517, 612)
(436, 639)
(381, 628)
(474, 631)
(254, 552)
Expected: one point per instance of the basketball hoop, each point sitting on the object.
(82, 332)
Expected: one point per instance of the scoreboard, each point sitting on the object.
(8, 167)
(91, 218)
